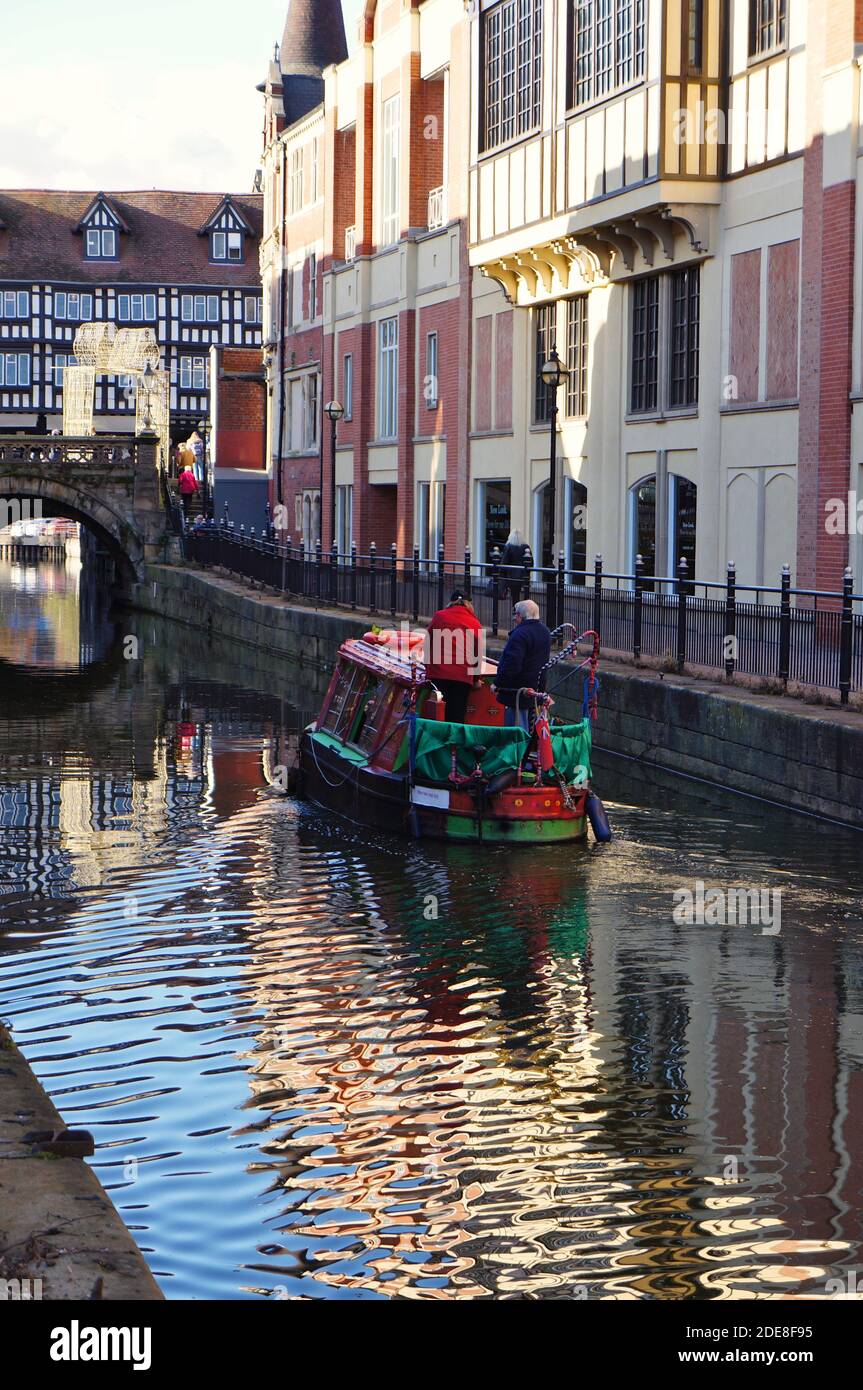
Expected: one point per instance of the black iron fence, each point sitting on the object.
(809, 636)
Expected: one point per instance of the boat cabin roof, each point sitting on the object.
(382, 661)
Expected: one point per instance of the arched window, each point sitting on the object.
(662, 525)
(575, 532)
(642, 499)
(683, 508)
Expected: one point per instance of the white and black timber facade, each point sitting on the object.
(183, 264)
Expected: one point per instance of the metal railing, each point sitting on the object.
(807, 636)
(436, 209)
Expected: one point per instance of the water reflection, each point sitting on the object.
(320, 1063)
(53, 615)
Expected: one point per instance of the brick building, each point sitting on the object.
(666, 193)
(184, 264)
(365, 265)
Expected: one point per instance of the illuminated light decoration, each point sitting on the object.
(102, 349)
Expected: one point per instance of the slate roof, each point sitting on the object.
(162, 246)
(314, 37)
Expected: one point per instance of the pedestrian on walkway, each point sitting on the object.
(513, 564)
(188, 486)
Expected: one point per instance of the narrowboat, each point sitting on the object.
(382, 753)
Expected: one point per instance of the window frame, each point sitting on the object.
(256, 303)
(623, 49)
(544, 338)
(101, 234)
(391, 170)
(313, 286)
(646, 381)
(18, 297)
(206, 301)
(777, 19)
(432, 373)
(684, 297)
(21, 360)
(148, 312)
(79, 296)
(661, 323)
(692, 65)
(387, 361)
(348, 384)
(511, 72)
(311, 411)
(188, 360)
(577, 352)
(295, 181)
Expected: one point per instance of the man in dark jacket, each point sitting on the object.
(526, 652)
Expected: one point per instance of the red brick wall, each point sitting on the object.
(827, 263)
(482, 383)
(427, 144)
(745, 323)
(343, 188)
(241, 411)
(404, 532)
(783, 293)
(837, 300)
(503, 355)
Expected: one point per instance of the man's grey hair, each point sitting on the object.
(527, 609)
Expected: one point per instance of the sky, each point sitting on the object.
(132, 94)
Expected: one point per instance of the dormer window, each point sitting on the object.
(100, 228)
(101, 244)
(227, 230)
(226, 246)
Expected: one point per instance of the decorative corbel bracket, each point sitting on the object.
(506, 278)
(659, 229)
(644, 242)
(693, 219)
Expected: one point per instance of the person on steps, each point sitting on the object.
(188, 486)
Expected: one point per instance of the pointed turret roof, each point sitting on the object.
(314, 37)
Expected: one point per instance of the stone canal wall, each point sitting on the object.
(60, 1236)
(802, 757)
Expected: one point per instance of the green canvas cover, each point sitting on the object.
(505, 748)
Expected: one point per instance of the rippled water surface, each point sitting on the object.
(323, 1063)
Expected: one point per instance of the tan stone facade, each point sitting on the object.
(666, 193)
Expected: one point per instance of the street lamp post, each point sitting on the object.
(205, 467)
(553, 373)
(334, 412)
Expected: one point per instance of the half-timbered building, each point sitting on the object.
(183, 264)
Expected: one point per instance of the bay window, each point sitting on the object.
(608, 47)
(511, 70)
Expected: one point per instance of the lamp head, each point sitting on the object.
(334, 410)
(553, 371)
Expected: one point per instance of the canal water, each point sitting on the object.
(323, 1063)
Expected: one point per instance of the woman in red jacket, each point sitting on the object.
(188, 485)
(454, 653)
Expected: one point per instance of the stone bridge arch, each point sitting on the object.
(110, 485)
